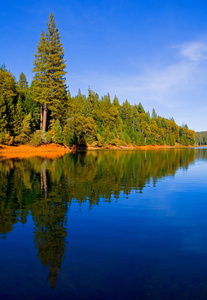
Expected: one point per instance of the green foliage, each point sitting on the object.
(100, 140)
(201, 138)
(154, 115)
(56, 132)
(22, 83)
(112, 139)
(8, 99)
(24, 135)
(49, 81)
(82, 129)
(40, 138)
(117, 124)
(68, 137)
(6, 138)
(171, 140)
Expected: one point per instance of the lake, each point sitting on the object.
(104, 225)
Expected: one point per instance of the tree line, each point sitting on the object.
(46, 112)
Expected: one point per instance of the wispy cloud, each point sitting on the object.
(194, 51)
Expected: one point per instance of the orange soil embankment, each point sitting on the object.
(52, 151)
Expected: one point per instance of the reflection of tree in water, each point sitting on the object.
(46, 187)
(43, 179)
(49, 215)
(18, 186)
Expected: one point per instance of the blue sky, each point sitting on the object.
(153, 52)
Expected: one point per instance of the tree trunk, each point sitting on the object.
(43, 177)
(40, 116)
(44, 117)
(45, 182)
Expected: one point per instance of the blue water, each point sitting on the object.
(147, 240)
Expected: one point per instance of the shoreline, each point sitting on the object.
(52, 151)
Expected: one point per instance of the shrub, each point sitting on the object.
(113, 142)
(6, 138)
(40, 138)
(100, 140)
(112, 139)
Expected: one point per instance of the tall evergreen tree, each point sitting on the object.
(20, 111)
(55, 68)
(8, 99)
(40, 83)
(49, 81)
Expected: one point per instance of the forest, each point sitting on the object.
(201, 138)
(45, 112)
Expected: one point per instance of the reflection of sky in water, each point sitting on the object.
(140, 246)
(178, 203)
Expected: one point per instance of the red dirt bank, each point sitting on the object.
(53, 150)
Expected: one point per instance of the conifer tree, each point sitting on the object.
(19, 115)
(154, 115)
(40, 79)
(58, 134)
(22, 82)
(20, 111)
(49, 81)
(8, 95)
(55, 68)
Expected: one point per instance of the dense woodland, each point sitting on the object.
(45, 111)
(201, 138)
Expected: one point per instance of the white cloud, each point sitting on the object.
(194, 51)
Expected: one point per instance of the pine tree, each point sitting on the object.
(22, 83)
(49, 81)
(154, 115)
(19, 115)
(58, 134)
(20, 110)
(25, 131)
(8, 99)
(40, 83)
(55, 67)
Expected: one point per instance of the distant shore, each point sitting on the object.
(51, 151)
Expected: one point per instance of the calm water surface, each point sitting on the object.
(104, 225)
